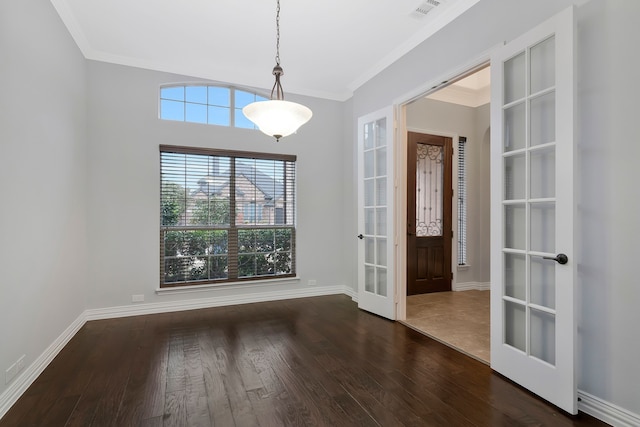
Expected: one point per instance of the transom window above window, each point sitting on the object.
(214, 105)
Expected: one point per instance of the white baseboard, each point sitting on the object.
(607, 412)
(31, 373)
(471, 286)
(196, 303)
(353, 293)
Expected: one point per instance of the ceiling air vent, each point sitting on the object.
(423, 8)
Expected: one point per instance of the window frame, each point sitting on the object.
(233, 253)
(233, 109)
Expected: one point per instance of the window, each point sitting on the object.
(214, 105)
(462, 203)
(226, 216)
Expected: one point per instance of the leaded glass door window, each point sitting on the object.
(429, 189)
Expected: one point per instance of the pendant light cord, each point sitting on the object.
(278, 33)
(277, 70)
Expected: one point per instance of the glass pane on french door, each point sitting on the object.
(375, 206)
(529, 202)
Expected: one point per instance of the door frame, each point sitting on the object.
(401, 157)
(401, 187)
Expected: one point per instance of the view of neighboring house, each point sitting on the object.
(260, 198)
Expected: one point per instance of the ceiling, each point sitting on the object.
(471, 91)
(328, 48)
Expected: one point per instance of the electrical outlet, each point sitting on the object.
(20, 363)
(14, 369)
(10, 373)
(311, 282)
(137, 298)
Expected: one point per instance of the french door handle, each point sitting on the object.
(560, 258)
(360, 236)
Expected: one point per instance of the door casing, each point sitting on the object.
(400, 154)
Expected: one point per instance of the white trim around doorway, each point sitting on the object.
(400, 158)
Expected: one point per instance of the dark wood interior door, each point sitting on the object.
(429, 202)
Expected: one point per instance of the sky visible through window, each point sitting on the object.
(214, 105)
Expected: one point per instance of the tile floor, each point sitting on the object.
(458, 319)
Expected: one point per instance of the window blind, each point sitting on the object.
(225, 216)
(462, 202)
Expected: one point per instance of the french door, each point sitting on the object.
(533, 267)
(376, 292)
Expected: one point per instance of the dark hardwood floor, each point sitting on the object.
(313, 361)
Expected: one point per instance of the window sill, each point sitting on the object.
(226, 285)
(463, 267)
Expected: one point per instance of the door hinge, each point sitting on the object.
(452, 234)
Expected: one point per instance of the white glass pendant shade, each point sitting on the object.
(277, 118)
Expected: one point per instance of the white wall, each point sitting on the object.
(350, 196)
(429, 115)
(609, 208)
(608, 67)
(42, 180)
(481, 170)
(124, 176)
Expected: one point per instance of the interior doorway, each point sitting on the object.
(457, 316)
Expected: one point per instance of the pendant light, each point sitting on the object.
(277, 117)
